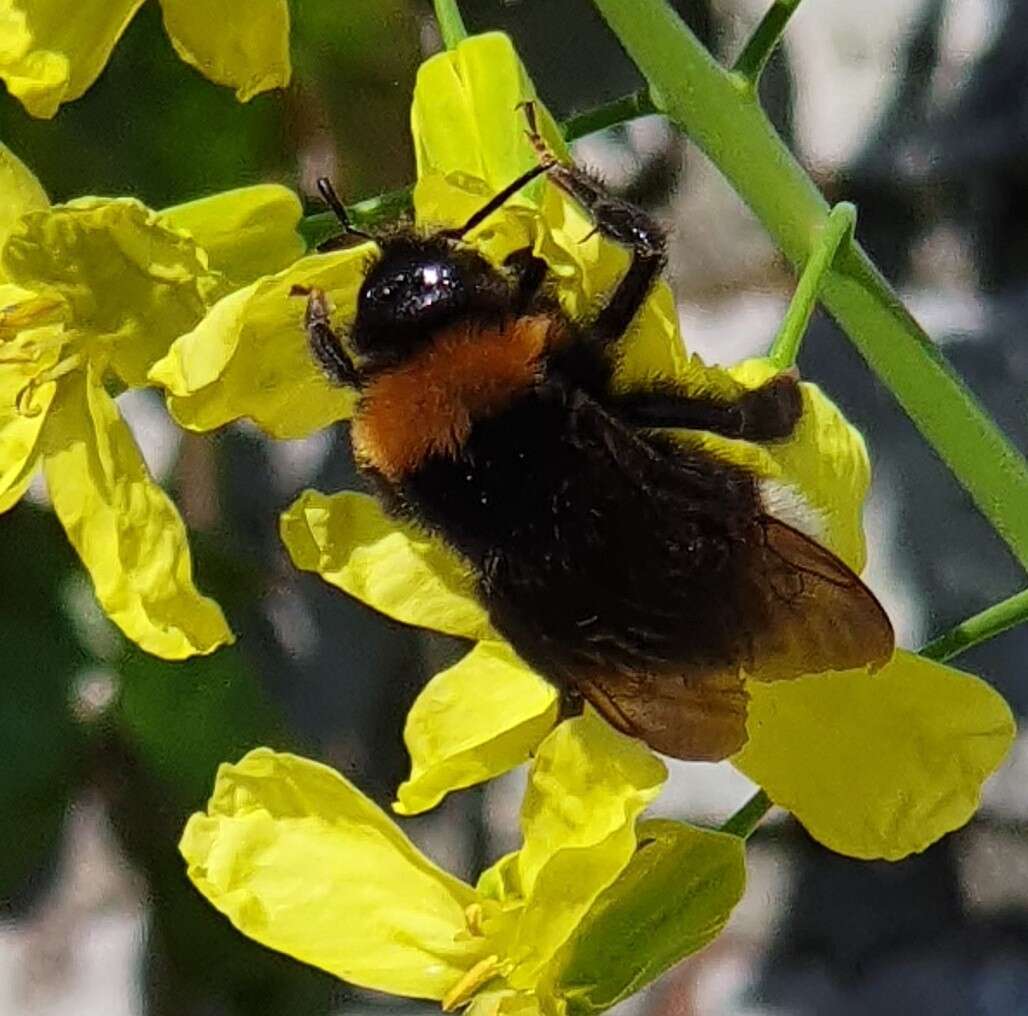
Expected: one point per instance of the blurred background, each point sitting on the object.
(915, 109)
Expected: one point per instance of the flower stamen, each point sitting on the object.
(483, 971)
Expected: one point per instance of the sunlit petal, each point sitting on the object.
(476, 720)
(123, 526)
(58, 49)
(350, 541)
(130, 282)
(246, 233)
(240, 43)
(249, 357)
(882, 765)
(300, 860)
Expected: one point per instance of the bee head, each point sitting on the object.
(417, 286)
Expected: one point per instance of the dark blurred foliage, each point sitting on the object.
(316, 672)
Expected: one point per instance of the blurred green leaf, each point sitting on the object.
(40, 742)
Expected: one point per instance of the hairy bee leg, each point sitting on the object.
(617, 220)
(324, 344)
(767, 413)
(529, 273)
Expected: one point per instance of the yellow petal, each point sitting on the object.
(587, 787)
(23, 404)
(350, 541)
(61, 49)
(467, 127)
(123, 526)
(249, 357)
(20, 191)
(882, 765)
(476, 720)
(129, 281)
(300, 860)
(504, 1002)
(246, 233)
(240, 43)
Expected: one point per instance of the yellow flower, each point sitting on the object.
(891, 762)
(51, 53)
(297, 858)
(91, 293)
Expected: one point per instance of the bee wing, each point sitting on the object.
(810, 612)
(700, 717)
(802, 611)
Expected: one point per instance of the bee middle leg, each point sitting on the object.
(767, 413)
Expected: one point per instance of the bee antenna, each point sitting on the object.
(331, 198)
(498, 200)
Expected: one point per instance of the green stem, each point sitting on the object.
(757, 51)
(980, 628)
(628, 107)
(721, 114)
(986, 625)
(837, 230)
(451, 24)
(748, 817)
(370, 214)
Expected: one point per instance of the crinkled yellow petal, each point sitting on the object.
(249, 357)
(59, 48)
(20, 191)
(129, 281)
(123, 526)
(587, 787)
(240, 43)
(476, 720)
(351, 542)
(246, 233)
(300, 860)
(877, 766)
(23, 401)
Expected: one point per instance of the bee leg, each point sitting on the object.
(767, 413)
(324, 344)
(619, 221)
(571, 702)
(529, 273)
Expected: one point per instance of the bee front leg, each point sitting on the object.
(324, 343)
(619, 221)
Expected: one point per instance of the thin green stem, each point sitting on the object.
(451, 24)
(723, 117)
(370, 215)
(748, 817)
(628, 107)
(762, 43)
(836, 231)
(980, 628)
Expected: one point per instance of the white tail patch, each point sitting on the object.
(786, 503)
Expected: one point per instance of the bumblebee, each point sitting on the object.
(642, 576)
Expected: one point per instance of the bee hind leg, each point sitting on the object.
(767, 413)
